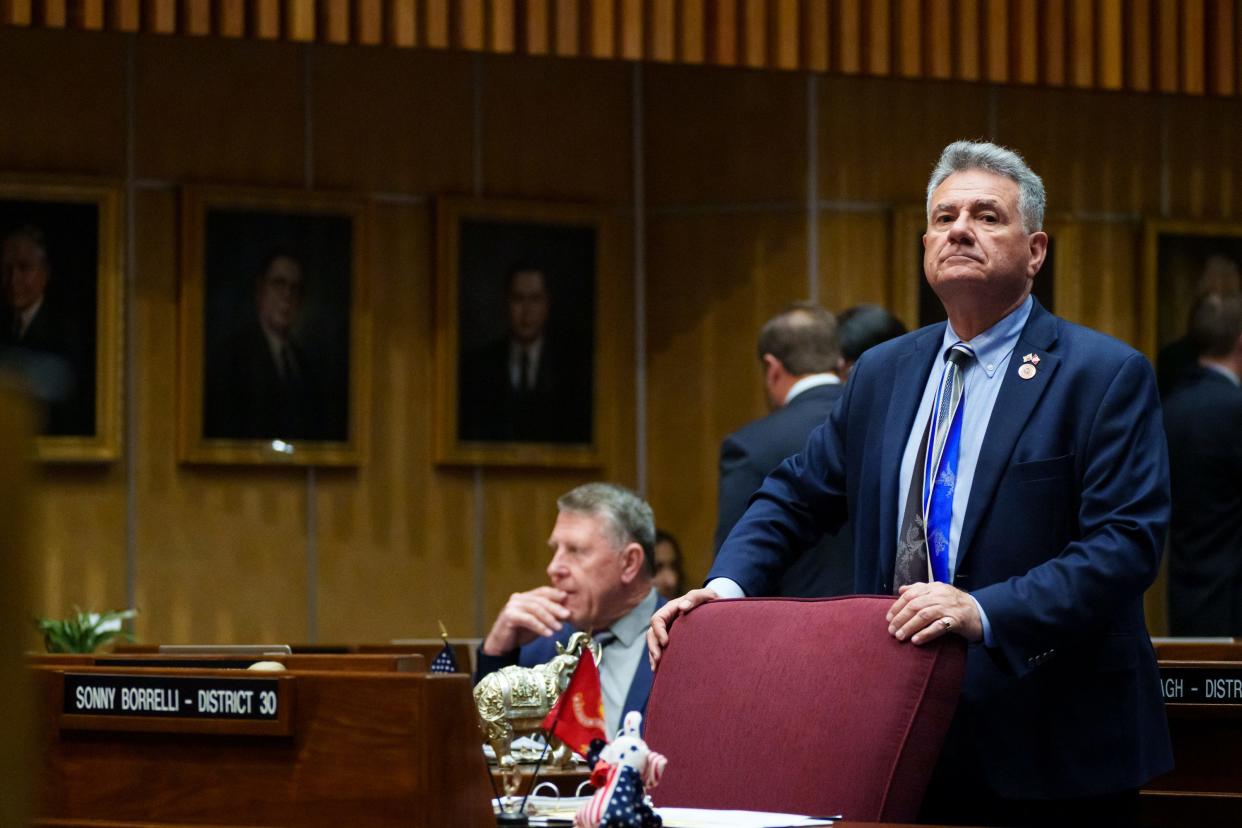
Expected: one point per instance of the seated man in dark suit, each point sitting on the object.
(799, 354)
(528, 385)
(601, 571)
(1203, 420)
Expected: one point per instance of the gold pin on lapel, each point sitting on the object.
(1026, 370)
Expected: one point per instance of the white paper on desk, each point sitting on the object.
(710, 818)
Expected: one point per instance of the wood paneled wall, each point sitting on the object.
(225, 553)
(759, 188)
(1188, 46)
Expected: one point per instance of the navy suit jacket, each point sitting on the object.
(749, 454)
(1062, 534)
(1203, 418)
(542, 650)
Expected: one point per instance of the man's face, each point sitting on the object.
(975, 248)
(528, 306)
(665, 580)
(587, 567)
(280, 295)
(23, 271)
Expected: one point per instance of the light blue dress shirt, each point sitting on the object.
(993, 350)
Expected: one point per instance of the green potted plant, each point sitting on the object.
(83, 632)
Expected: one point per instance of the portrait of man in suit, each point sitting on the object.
(525, 366)
(276, 328)
(48, 308)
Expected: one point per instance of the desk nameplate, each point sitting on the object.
(150, 701)
(1191, 685)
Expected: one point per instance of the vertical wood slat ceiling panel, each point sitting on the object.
(940, 41)
(1082, 43)
(1025, 23)
(996, 15)
(123, 15)
(53, 13)
(568, 28)
(87, 15)
(848, 45)
(469, 34)
(909, 37)
(817, 36)
(536, 27)
(1174, 46)
(1138, 45)
(16, 12)
(691, 39)
(662, 31)
(266, 19)
(501, 26)
(369, 22)
(1192, 44)
(1222, 56)
(1054, 49)
(968, 40)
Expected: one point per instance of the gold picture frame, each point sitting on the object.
(275, 328)
(1175, 255)
(492, 408)
(1056, 285)
(67, 335)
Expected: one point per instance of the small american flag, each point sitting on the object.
(445, 661)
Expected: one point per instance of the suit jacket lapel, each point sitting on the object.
(909, 380)
(1014, 404)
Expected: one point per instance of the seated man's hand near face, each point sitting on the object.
(526, 616)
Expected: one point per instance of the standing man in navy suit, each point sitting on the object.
(1203, 419)
(1006, 477)
(799, 354)
(601, 569)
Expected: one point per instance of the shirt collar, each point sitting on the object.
(635, 622)
(993, 345)
(808, 382)
(29, 314)
(1223, 371)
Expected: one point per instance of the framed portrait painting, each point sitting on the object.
(517, 347)
(1183, 261)
(275, 329)
(61, 310)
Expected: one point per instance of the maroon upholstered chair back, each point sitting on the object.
(811, 707)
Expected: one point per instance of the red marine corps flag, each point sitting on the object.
(578, 715)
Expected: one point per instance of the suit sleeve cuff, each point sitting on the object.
(983, 619)
(725, 588)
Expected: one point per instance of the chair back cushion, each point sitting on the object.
(801, 706)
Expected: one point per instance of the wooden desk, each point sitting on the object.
(363, 748)
(1205, 785)
(368, 663)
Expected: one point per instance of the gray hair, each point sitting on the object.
(627, 516)
(980, 155)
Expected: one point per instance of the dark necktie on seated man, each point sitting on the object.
(923, 545)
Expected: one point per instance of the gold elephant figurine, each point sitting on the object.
(513, 701)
